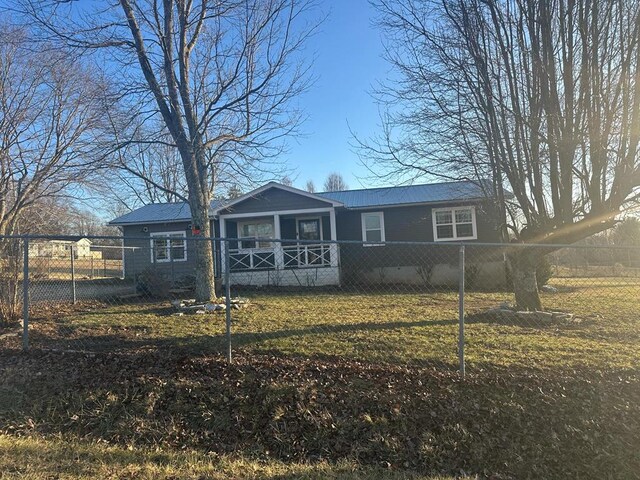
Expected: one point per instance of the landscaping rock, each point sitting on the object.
(535, 317)
(548, 289)
(215, 307)
(211, 307)
(200, 306)
(501, 314)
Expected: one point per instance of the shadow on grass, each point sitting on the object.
(68, 337)
(515, 320)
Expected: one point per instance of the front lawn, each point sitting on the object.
(391, 326)
(327, 385)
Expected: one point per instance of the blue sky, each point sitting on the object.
(348, 49)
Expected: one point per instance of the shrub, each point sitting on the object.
(544, 271)
(471, 272)
(425, 271)
(153, 284)
(10, 275)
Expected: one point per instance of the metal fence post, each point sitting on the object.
(25, 295)
(173, 273)
(227, 288)
(134, 274)
(461, 311)
(73, 277)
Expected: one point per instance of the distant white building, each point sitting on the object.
(60, 248)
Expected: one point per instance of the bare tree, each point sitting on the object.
(286, 180)
(217, 75)
(233, 192)
(627, 232)
(142, 173)
(50, 112)
(311, 187)
(335, 183)
(541, 98)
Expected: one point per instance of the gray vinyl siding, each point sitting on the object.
(406, 224)
(139, 260)
(413, 223)
(274, 200)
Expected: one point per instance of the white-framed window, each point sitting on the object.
(454, 223)
(373, 228)
(168, 247)
(251, 230)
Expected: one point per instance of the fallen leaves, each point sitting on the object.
(512, 423)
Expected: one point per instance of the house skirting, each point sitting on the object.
(486, 275)
(298, 277)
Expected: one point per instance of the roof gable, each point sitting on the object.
(262, 199)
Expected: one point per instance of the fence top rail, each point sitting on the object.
(542, 246)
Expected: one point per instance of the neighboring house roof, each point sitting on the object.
(82, 240)
(363, 198)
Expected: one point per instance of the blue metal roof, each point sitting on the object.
(428, 193)
(364, 198)
(159, 213)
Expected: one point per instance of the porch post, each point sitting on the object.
(223, 245)
(279, 256)
(334, 246)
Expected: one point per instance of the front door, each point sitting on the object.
(309, 229)
(309, 254)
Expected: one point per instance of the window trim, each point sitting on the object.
(364, 229)
(455, 237)
(250, 221)
(168, 234)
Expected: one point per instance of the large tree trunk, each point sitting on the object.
(205, 282)
(525, 285)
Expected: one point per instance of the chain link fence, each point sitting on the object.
(441, 305)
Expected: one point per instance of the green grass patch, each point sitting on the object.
(37, 458)
(395, 327)
(328, 385)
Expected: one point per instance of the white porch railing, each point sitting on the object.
(252, 259)
(289, 256)
(305, 255)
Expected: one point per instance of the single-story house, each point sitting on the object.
(156, 236)
(60, 248)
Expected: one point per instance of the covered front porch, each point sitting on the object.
(285, 248)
